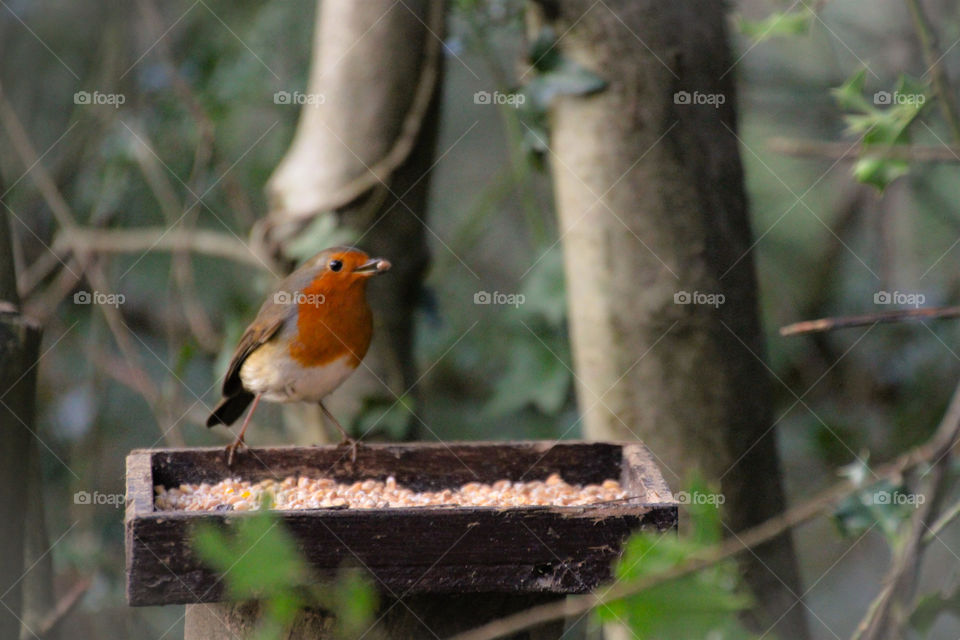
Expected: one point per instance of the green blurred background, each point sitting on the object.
(198, 80)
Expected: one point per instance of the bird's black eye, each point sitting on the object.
(336, 265)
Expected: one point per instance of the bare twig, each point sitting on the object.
(931, 451)
(181, 263)
(843, 151)
(949, 516)
(63, 607)
(64, 215)
(933, 57)
(845, 322)
(143, 239)
(888, 614)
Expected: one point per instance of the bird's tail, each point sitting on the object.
(230, 409)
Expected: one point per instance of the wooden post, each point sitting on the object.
(413, 618)
(440, 569)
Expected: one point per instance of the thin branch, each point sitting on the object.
(934, 449)
(889, 613)
(933, 57)
(843, 151)
(143, 239)
(51, 194)
(845, 322)
(949, 516)
(64, 606)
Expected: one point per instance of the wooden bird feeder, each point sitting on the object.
(519, 554)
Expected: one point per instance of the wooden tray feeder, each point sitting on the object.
(416, 550)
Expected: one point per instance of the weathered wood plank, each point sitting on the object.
(429, 550)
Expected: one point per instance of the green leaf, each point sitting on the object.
(356, 603)
(258, 558)
(556, 74)
(849, 95)
(701, 605)
(534, 376)
(879, 172)
(544, 290)
(882, 121)
(777, 24)
(567, 78)
(543, 53)
(930, 606)
(884, 505)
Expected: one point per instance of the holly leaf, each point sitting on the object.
(930, 606)
(881, 121)
(700, 605)
(777, 24)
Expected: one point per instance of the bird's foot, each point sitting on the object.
(232, 448)
(353, 444)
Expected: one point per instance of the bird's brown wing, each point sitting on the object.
(268, 323)
(270, 319)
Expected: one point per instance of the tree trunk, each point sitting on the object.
(19, 349)
(650, 195)
(359, 168)
(359, 163)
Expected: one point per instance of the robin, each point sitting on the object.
(307, 338)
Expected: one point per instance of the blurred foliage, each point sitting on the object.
(199, 120)
(260, 561)
(701, 605)
(881, 128)
(778, 24)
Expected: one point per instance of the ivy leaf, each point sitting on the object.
(534, 376)
(556, 74)
(544, 290)
(566, 78)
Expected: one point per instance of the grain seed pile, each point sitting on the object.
(317, 493)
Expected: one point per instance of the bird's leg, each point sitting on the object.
(231, 448)
(347, 440)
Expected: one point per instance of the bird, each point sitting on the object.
(311, 333)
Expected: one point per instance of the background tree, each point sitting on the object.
(649, 190)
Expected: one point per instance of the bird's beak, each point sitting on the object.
(373, 267)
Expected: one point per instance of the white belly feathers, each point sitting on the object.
(272, 372)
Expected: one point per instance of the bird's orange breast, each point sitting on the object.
(333, 321)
